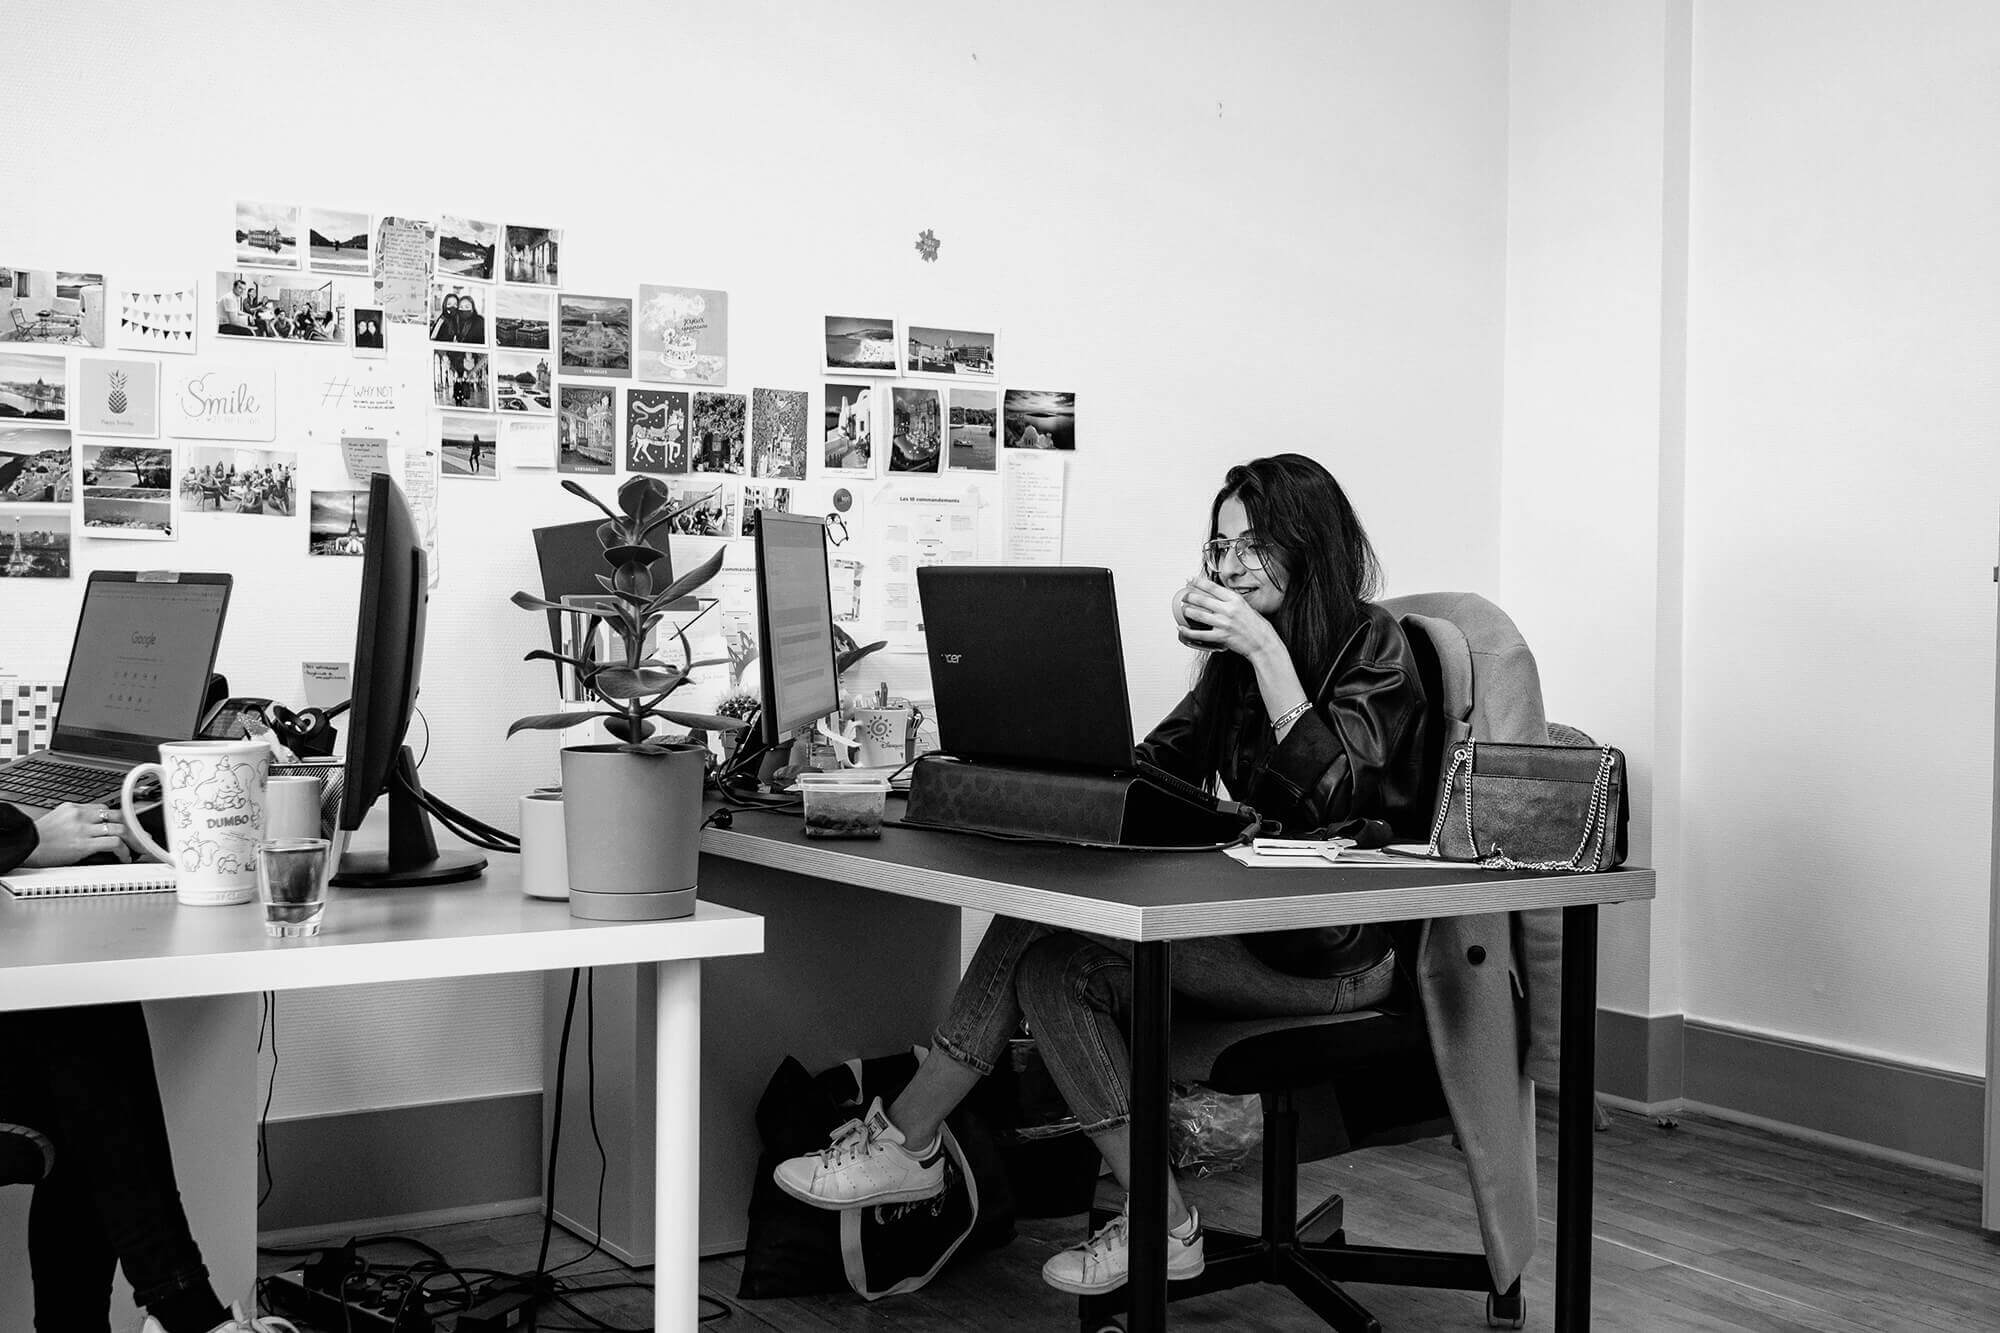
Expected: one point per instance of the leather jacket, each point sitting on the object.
(1357, 754)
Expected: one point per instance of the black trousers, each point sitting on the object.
(84, 1078)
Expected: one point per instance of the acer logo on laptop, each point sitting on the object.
(952, 658)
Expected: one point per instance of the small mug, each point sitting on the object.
(883, 736)
(213, 800)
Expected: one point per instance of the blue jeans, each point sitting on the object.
(1076, 992)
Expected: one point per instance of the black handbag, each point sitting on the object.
(1532, 807)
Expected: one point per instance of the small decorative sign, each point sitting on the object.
(221, 403)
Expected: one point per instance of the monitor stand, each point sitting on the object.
(413, 857)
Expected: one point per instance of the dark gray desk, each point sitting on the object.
(1154, 898)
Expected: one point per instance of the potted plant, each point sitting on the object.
(631, 809)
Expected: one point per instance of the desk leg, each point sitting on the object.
(1574, 1118)
(1152, 1017)
(677, 1146)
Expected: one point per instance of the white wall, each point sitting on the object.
(1231, 232)
(1841, 483)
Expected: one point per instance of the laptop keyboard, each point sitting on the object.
(50, 782)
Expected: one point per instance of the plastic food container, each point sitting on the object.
(840, 805)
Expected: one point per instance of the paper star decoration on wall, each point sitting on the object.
(927, 245)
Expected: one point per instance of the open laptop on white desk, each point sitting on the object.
(138, 675)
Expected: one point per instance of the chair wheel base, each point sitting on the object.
(1506, 1310)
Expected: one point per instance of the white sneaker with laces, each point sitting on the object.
(238, 1322)
(1101, 1263)
(865, 1164)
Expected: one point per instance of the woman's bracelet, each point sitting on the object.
(1291, 715)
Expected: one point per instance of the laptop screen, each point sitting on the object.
(1026, 665)
(139, 670)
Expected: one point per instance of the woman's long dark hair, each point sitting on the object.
(1302, 518)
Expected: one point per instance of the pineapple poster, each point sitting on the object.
(116, 396)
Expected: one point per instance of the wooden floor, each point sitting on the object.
(1707, 1226)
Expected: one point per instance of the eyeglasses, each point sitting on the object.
(1250, 553)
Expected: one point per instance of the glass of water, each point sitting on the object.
(291, 883)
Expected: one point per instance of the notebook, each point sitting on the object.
(138, 675)
(90, 881)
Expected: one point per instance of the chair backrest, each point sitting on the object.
(1486, 688)
(20, 320)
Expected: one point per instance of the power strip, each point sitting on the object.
(288, 1294)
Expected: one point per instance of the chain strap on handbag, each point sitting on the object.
(1533, 803)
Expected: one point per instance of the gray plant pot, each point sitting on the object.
(633, 827)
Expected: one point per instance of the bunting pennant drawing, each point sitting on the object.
(156, 315)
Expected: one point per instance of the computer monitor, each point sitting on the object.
(388, 661)
(795, 660)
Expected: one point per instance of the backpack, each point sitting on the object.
(795, 1249)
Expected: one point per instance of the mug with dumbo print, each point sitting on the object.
(212, 796)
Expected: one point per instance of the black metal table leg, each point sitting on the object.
(1573, 1111)
(1152, 1014)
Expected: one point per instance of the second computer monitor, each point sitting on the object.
(794, 623)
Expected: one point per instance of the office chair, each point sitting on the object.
(1373, 1077)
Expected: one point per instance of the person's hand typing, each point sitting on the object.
(69, 833)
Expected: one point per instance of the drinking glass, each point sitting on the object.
(291, 883)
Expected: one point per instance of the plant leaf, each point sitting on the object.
(691, 580)
(575, 487)
(556, 721)
(853, 655)
(544, 655)
(634, 554)
(610, 534)
(527, 601)
(705, 721)
(604, 582)
(628, 683)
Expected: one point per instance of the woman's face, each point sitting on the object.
(1263, 588)
(450, 304)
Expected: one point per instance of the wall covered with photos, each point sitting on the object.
(1214, 261)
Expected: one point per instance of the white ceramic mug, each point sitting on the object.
(213, 800)
(544, 848)
(883, 734)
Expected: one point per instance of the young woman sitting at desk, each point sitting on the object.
(84, 1078)
(1309, 707)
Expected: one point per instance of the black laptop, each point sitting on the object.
(138, 675)
(1027, 669)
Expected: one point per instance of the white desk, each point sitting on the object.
(217, 959)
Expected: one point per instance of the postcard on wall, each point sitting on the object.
(528, 442)
(523, 318)
(339, 523)
(370, 332)
(405, 256)
(465, 248)
(523, 382)
(528, 254)
(118, 397)
(778, 433)
(656, 431)
(469, 446)
(757, 498)
(586, 428)
(33, 388)
(366, 398)
(917, 437)
(682, 335)
(238, 402)
(458, 312)
(128, 491)
(975, 430)
(718, 437)
(36, 541)
(462, 379)
(421, 466)
(267, 235)
(34, 464)
(259, 483)
(594, 335)
(156, 314)
(711, 510)
(284, 307)
(337, 241)
(911, 528)
(847, 431)
(959, 353)
(859, 345)
(51, 306)
(1038, 419)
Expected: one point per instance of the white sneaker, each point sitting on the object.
(1100, 1264)
(865, 1164)
(236, 1323)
